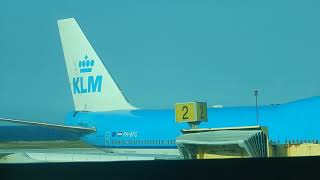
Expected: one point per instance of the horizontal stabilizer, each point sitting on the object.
(76, 129)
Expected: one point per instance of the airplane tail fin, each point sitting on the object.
(93, 88)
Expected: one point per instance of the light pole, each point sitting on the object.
(256, 93)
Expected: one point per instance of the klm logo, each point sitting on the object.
(86, 84)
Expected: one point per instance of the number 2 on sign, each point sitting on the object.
(201, 112)
(185, 108)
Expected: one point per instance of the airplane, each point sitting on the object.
(105, 118)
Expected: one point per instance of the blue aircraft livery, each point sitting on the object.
(93, 84)
(298, 120)
(114, 124)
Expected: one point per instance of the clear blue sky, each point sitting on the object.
(162, 52)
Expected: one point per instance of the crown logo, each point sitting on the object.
(86, 65)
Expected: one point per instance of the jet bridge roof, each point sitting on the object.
(253, 141)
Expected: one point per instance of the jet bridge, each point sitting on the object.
(233, 142)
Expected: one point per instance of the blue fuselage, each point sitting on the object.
(299, 120)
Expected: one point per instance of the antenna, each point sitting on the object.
(256, 93)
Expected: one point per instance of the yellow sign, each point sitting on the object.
(191, 112)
